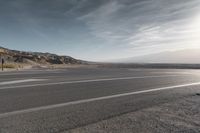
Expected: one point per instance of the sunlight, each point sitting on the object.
(195, 27)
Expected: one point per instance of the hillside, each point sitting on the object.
(36, 58)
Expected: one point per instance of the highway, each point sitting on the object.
(54, 101)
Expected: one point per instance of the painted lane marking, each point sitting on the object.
(187, 73)
(20, 81)
(30, 110)
(29, 73)
(37, 77)
(86, 81)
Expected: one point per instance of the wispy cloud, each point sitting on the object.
(142, 24)
(101, 28)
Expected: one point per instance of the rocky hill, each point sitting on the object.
(14, 56)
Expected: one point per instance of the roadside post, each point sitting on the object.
(2, 63)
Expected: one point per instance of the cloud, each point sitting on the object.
(145, 23)
(114, 28)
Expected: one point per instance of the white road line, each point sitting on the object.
(92, 100)
(87, 81)
(173, 73)
(20, 81)
(37, 77)
(29, 73)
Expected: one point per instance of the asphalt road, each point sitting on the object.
(53, 101)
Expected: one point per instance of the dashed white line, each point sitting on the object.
(29, 73)
(3, 115)
(20, 81)
(86, 81)
(185, 73)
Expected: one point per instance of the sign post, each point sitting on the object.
(2, 63)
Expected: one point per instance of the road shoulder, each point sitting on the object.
(180, 116)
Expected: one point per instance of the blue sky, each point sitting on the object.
(100, 29)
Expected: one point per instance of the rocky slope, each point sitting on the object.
(14, 56)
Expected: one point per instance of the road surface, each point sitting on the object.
(53, 101)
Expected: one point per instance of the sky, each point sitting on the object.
(98, 30)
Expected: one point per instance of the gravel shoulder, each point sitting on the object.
(181, 116)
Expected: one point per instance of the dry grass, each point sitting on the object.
(11, 65)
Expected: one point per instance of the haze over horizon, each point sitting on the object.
(185, 56)
(101, 29)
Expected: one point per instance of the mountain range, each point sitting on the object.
(186, 56)
(15, 56)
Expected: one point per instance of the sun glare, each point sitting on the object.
(194, 27)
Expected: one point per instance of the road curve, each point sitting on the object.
(51, 101)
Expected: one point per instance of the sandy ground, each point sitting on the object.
(64, 66)
(70, 66)
(182, 116)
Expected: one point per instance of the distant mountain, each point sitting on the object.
(36, 57)
(189, 56)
